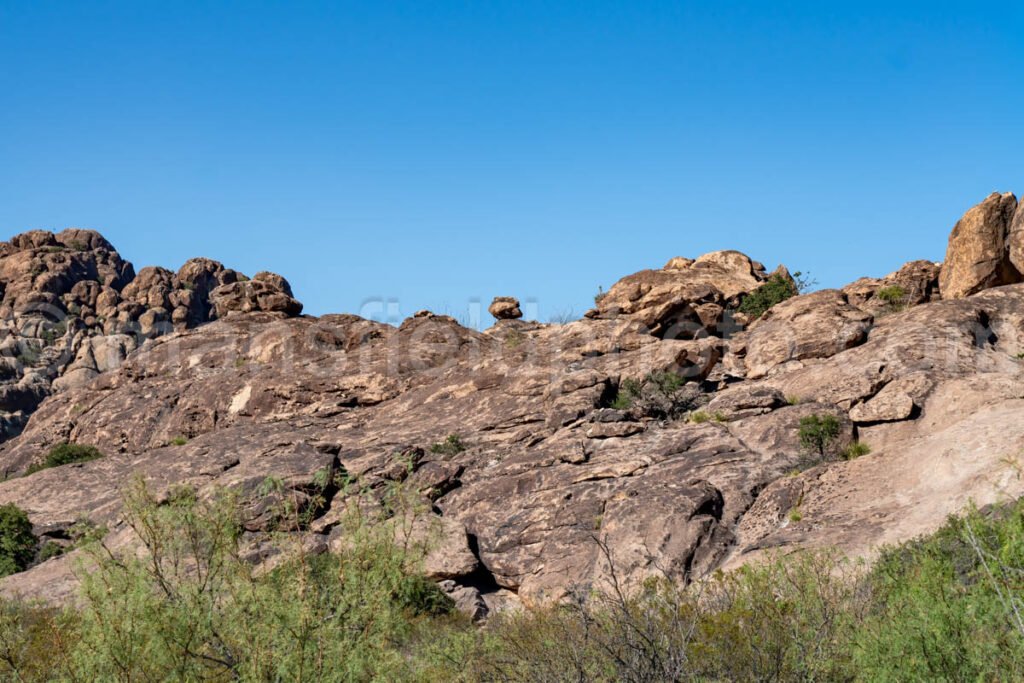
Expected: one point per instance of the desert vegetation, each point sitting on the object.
(776, 290)
(661, 395)
(17, 543)
(191, 607)
(65, 454)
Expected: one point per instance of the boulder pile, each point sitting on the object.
(72, 308)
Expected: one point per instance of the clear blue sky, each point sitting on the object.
(439, 152)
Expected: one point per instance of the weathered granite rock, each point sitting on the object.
(685, 299)
(817, 325)
(978, 253)
(62, 295)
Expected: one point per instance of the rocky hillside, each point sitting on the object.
(678, 427)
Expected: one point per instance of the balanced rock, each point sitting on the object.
(505, 308)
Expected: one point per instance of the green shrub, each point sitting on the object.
(50, 550)
(34, 642)
(819, 433)
(660, 394)
(191, 607)
(700, 417)
(17, 542)
(894, 297)
(179, 441)
(776, 621)
(949, 606)
(855, 450)
(452, 445)
(776, 290)
(65, 454)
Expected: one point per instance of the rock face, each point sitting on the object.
(72, 308)
(505, 308)
(978, 255)
(656, 428)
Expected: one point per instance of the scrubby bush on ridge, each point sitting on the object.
(776, 290)
(660, 394)
(65, 454)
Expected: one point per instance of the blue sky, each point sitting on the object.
(436, 153)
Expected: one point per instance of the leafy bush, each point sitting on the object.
(776, 290)
(660, 394)
(773, 622)
(893, 296)
(191, 607)
(65, 454)
(50, 550)
(17, 542)
(948, 607)
(855, 450)
(34, 642)
(819, 433)
(452, 445)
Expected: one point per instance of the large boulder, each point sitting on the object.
(977, 256)
(817, 325)
(71, 308)
(685, 299)
(267, 292)
(1015, 239)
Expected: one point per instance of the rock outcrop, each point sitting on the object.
(685, 299)
(72, 308)
(657, 434)
(916, 282)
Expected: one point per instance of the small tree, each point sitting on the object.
(192, 606)
(17, 542)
